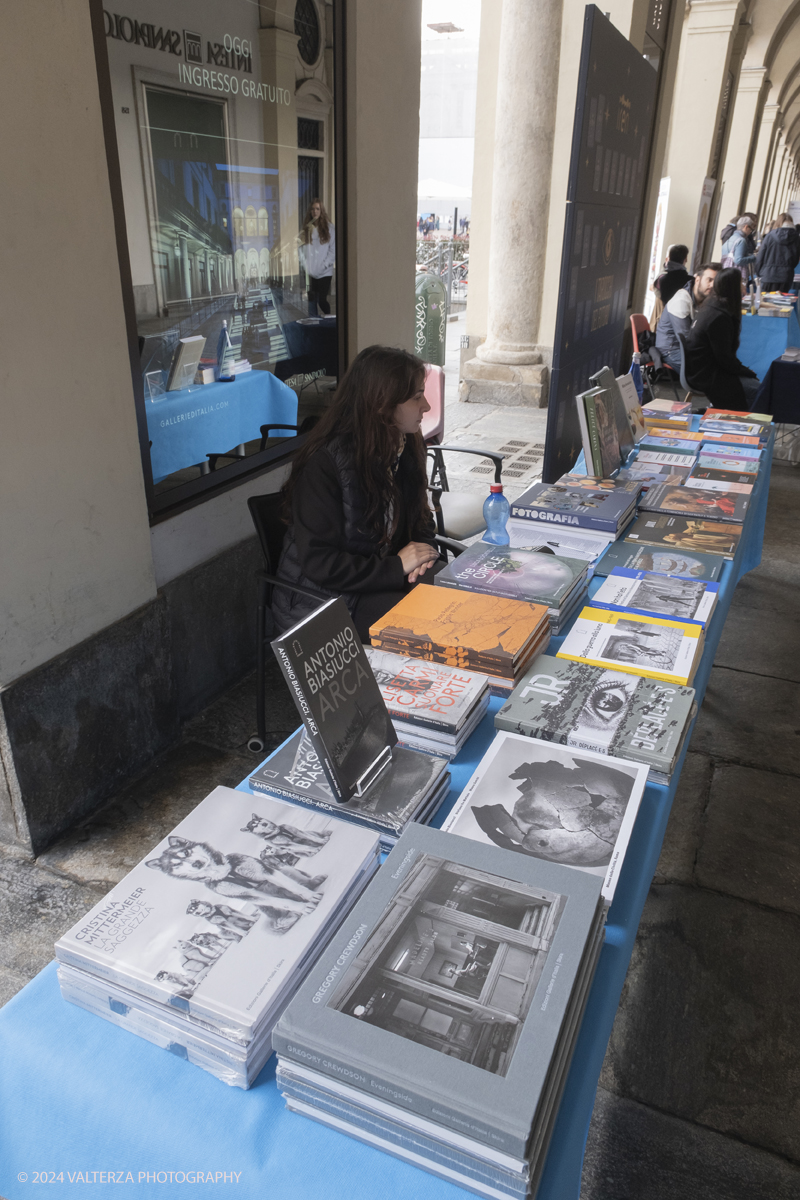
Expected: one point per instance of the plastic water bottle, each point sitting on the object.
(636, 374)
(495, 514)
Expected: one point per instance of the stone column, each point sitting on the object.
(186, 271)
(753, 88)
(707, 45)
(770, 121)
(508, 369)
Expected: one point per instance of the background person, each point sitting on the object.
(674, 276)
(739, 249)
(711, 344)
(682, 309)
(778, 256)
(360, 525)
(318, 256)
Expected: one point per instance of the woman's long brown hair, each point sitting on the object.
(323, 228)
(362, 415)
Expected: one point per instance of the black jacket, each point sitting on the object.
(711, 363)
(672, 280)
(327, 548)
(778, 256)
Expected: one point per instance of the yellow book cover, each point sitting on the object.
(687, 435)
(461, 622)
(654, 647)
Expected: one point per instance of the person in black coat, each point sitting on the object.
(359, 522)
(711, 344)
(674, 276)
(778, 256)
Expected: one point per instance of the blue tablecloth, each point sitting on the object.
(79, 1095)
(187, 425)
(763, 339)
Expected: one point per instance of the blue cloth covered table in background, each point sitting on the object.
(763, 339)
(80, 1095)
(211, 418)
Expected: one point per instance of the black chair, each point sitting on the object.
(266, 513)
(691, 393)
(459, 515)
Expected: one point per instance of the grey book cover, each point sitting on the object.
(554, 803)
(592, 708)
(517, 574)
(445, 990)
(397, 796)
(661, 559)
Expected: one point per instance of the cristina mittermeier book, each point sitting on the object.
(338, 698)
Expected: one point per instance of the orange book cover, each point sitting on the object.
(685, 434)
(739, 439)
(463, 622)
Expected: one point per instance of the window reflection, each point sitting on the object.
(216, 193)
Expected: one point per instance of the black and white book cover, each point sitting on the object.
(446, 989)
(554, 803)
(426, 693)
(218, 916)
(395, 798)
(337, 697)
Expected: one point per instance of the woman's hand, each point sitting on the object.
(416, 557)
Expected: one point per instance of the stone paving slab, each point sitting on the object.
(769, 589)
(759, 643)
(104, 849)
(751, 842)
(707, 1027)
(36, 907)
(750, 719)
(676, 862)
(634, 1153)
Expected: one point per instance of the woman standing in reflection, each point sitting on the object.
(318, 256)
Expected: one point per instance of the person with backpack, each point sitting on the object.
(778, 256)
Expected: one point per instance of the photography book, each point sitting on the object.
(516, 574)
(652, 594)
(650, 477)
(184, 362)
(603, 435)
(640, 645)
(427, 694)
(664, 435)
(605, 378)
(448, 989)
(722, 476)
(410, 789)
(685, 533)
(337, 697)
(488, 634)
(720, 437)
(633, 407)
(598, 508)
(559, 540)
(609, 712)
(548, 801)
(730, 414)
(696, 502)
(216, 920)
(664, 561)
(747, 428)
(586, 439)
(710, 484)
(653, 442)
(662, 407)
(730, 450)
(662, 459)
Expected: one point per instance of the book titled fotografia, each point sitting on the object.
(582, 507)
(606, 711)
(548, 801)
(640, 645)
(649, 593)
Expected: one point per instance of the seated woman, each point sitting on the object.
(360, 525)
(711, 344)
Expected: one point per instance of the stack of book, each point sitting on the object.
(433, 707)
(651, 593)
(488, 634)
(642, 557)
(664, 441)
(517, 574)
(345, 759)
(590, 708)
(725, 429)
(412, 787)
(636, 644)
(440, 1024)
(675, 534)
(667, 414)
(563, 541)
(686, 500)
(201, 945)
(604, 506)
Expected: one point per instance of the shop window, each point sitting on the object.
(306, 26)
